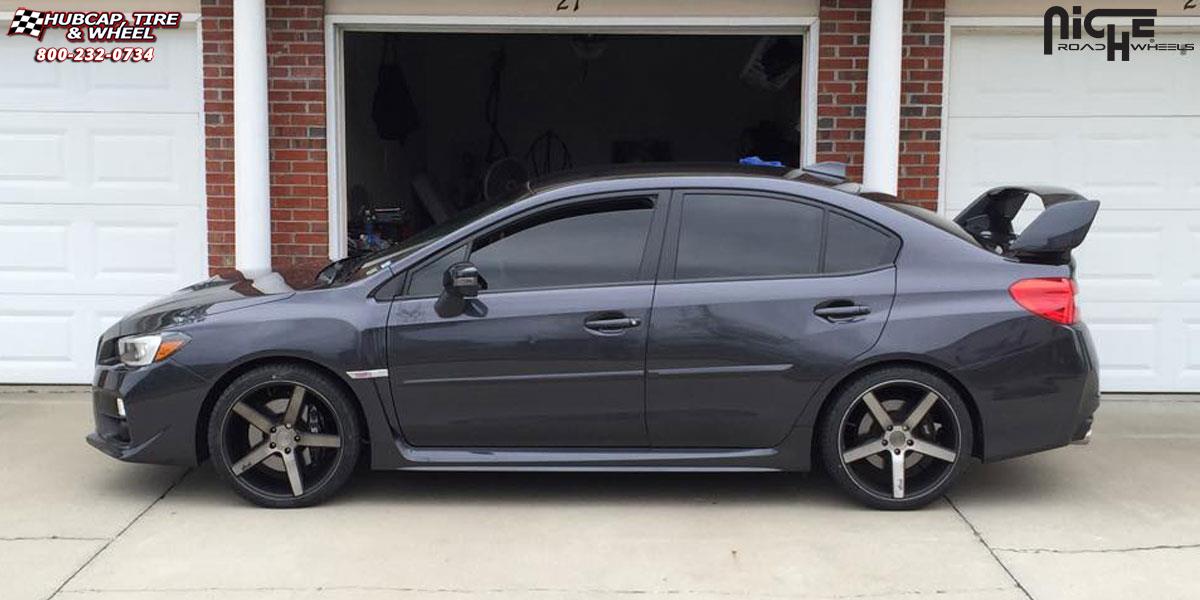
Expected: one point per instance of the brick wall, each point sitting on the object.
(216, 30)
(296, 106)
(842, 91)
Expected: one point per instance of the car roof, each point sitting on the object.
(651, 171)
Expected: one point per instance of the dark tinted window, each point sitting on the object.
(725, 235)
(853, 246)
(427, 279)
(583, 245)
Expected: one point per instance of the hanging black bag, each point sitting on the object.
(393, 109)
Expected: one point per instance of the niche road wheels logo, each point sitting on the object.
(1119, 34)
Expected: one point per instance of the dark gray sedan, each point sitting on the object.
(672, 320)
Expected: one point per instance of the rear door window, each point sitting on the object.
(855, 246)
(724, 235)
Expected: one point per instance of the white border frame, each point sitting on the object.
(336, 25)
(995, 23)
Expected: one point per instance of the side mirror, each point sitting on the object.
(460, 282)
(463, 280)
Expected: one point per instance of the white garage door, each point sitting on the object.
(1124, 133)
(101, 198)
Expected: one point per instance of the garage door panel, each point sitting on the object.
(983, 154)
(1141, 256)
(1190, 375)
(80, 158)
(1004, 73)
(989, 92)
(36, 247)
(166, 85)
(53, 338)
(1128, 163)
(1127, 348)
(1142, 345)
(81, 250)
(33, 156)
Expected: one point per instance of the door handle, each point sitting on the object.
(841, 311)
(614, 324)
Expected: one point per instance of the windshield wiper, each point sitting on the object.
(333, 272)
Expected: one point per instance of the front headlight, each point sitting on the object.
(141, 350)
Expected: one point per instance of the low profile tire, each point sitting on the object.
(284, 436)
(896, 438)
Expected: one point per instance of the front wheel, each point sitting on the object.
(284, 436)
(896, 438)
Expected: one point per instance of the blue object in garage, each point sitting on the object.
(755, 161)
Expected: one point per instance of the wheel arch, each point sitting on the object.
(223, 382)
(910, 362)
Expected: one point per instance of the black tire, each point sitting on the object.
(248, 443)
(850, 428)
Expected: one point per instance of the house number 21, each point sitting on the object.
(567, 5)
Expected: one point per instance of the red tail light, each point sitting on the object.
(1051, 298)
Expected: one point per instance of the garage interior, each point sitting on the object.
(437, 123)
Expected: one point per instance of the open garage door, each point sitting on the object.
(436, 123)
(1124, 133)
(101, 199)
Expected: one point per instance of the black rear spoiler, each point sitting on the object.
(1062, 226)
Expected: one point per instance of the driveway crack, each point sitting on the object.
(1099, 550)
(525, 591)
(990, 550)
(69, 538)
(108, 543)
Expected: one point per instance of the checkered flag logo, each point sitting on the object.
(27, 22)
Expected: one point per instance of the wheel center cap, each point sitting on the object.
(284, 438)
(897, 438)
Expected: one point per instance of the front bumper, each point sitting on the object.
(162, 403)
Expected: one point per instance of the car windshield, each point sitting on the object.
(369, 264)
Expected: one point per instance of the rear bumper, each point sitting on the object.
(1089, 399)
(1083, 435)
(1041, 398)
(162, 403)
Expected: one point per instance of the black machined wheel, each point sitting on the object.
(897, 438)
(284, 436)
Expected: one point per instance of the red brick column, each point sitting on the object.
(296, 99)
(296, 106)
(845, 28)
(216, 31)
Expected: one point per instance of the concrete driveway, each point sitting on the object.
(1117, 519)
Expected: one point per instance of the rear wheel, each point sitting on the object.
(284, 436)
(896, 438)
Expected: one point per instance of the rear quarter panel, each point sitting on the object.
(1025, 376)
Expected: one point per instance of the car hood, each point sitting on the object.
(194, 303)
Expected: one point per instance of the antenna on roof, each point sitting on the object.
(823, 172)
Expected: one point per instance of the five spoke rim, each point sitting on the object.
(292, 436)
(928, 430)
